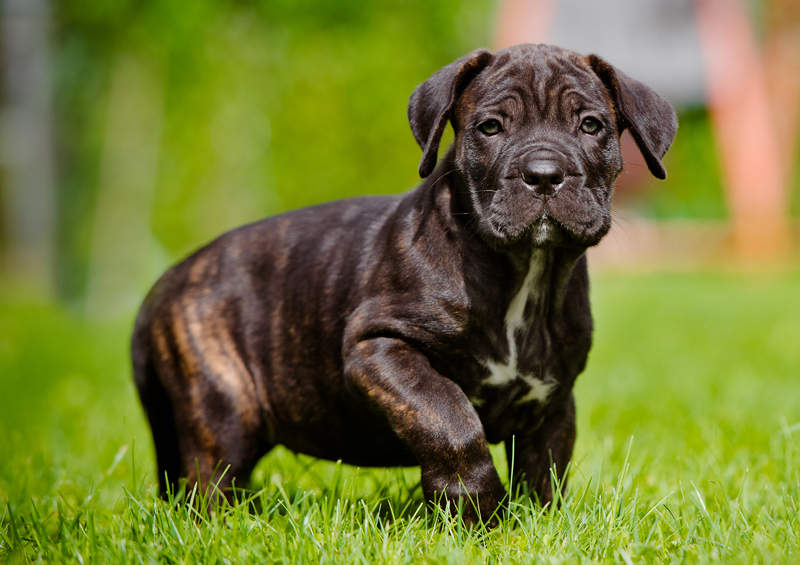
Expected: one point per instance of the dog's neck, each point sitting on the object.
(543, 274)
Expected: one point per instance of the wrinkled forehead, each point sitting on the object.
(536, 79)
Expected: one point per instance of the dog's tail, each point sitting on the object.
(156, 402)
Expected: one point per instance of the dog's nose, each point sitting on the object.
(542, 173)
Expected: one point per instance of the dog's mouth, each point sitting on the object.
(542, 232)
(575, 215)
(546, 231)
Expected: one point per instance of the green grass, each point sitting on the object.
(688, 450)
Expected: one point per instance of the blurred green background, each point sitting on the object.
(230, 111)
(173, 122)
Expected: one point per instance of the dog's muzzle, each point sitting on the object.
(543, 171)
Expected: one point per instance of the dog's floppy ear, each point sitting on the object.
(431, 103)
(650, 119)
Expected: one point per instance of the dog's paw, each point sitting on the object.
(476, 495)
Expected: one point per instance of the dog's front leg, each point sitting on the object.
(433, 417)
(532, 453)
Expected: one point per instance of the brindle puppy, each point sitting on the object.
(412, 329)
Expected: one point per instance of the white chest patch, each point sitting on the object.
(506, 372)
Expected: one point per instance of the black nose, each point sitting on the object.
(543, 173)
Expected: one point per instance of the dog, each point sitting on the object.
(414, 329)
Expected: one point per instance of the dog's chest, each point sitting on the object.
(519, 373)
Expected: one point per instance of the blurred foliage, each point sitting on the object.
(267, 106)
(693, 188)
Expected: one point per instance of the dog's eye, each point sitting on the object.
(490, 127)
(591, 125)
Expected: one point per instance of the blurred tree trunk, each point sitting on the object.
(125, 257)
(782, 69)
(26, 144)
(750, 151)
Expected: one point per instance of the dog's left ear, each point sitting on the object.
(431, 104)
(650, 119)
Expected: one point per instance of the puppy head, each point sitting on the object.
(537, 138)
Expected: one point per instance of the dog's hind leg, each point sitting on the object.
(158, 409)
(201, 404)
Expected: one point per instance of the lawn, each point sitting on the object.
(688, 449)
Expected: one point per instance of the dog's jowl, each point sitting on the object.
(415, 329)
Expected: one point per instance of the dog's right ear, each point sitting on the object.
(431, 104)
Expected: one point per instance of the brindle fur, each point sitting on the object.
(360, 330)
